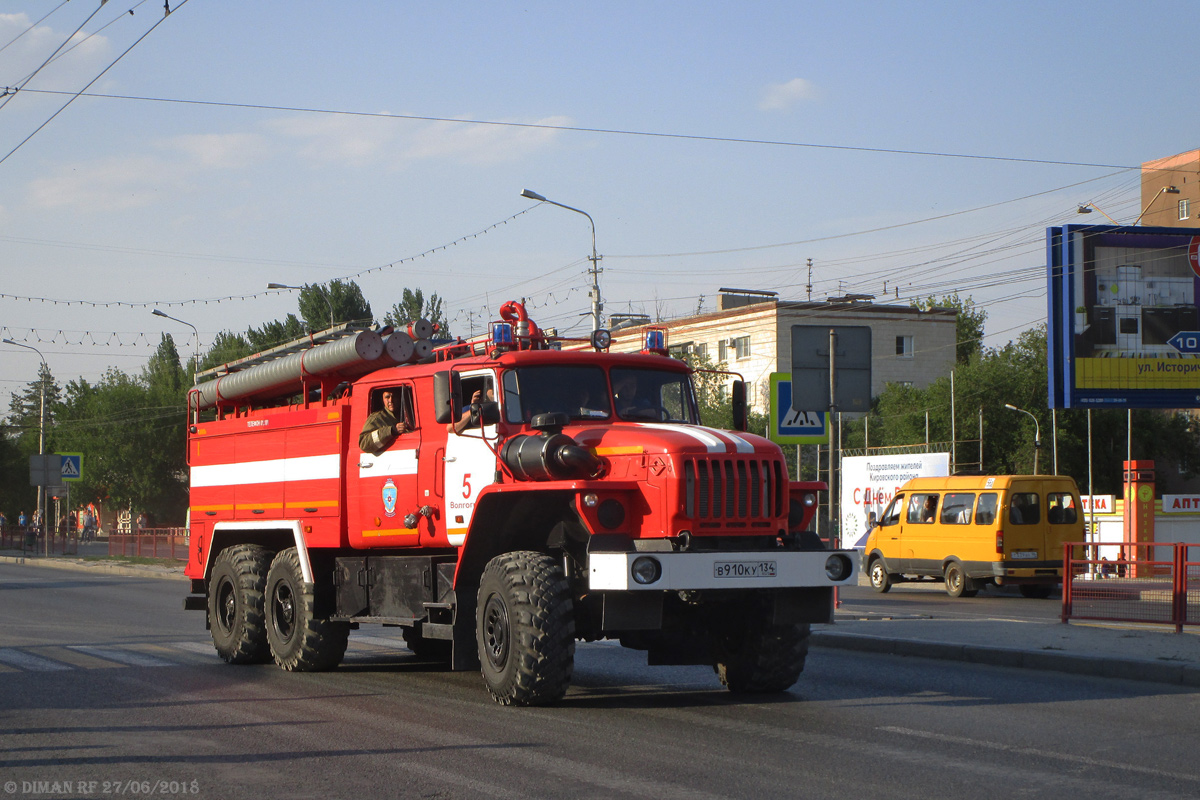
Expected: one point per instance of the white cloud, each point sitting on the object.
(781, 96)
(481, 144)
(325, 139)
(219, 150)
(111, 184)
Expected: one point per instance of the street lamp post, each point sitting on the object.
(41, 435)
(324, 294)
(1037, 434)
(597, 305)
(1083, 207)
(196, 357)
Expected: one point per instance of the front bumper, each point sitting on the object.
(780, 569)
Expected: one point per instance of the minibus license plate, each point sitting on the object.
(744, 569)
(1024, 554)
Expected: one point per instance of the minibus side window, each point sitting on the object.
(892, 515)
(922, 508)
(956, 508)
(985, 512)
(1023, 509)
(1060, 508)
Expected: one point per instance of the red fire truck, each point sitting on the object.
(496, 499)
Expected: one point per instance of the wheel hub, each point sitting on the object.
(285, 611)
(495, 632)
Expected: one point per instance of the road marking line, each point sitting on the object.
(128, 657)
(379, 641)
(201, 648)
(77, 659)
(1037, 752)
(29, 662)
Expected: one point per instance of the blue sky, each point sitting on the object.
(168, 203)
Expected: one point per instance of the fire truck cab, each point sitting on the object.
(523, 497)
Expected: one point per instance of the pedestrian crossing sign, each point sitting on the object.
(72, 466)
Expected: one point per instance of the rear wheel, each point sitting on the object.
(235, 604)
(762, 658)
(525, 629)
(957, 582)
(1038, 591)
(881, 580)
(300, 642)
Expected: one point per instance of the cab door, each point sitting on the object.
(469, 460)
(888, 533)
(384, 486)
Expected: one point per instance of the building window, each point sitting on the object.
(738, 348)
(1184, 209)
(904, 347)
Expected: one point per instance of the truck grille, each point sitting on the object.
(733, 488)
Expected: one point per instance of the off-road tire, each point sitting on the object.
(525, 629)
(957, 582)
(235, 604)
(881, 579)
(761, 658)
(300, 642)
(1036, 591)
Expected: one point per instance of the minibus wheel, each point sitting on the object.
(881, 580)
(957, 582)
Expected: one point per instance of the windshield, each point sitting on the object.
(582, 393)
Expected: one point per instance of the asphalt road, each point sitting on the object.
(929, 599)
(106, 681)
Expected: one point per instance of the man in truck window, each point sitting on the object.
(384, 425)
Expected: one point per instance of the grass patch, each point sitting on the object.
(142, 560)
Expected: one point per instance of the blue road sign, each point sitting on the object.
(1186, 341)
(789, 426)
(72, 466)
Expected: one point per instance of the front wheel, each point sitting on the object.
(525, 629)
(235, 604)
(300, 642)
(763, 658)
(881, 579)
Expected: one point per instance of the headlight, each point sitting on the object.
(611, 513)
(837, 567)
(810, 500)
(645, 570)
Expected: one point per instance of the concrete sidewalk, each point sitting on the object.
(1126, 651)
(1129, 652)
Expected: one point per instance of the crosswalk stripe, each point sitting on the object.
(77, 659)
(200, 648)
(128, 657)
(28, 661)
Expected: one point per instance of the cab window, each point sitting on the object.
(922, 508)
(1060, 508)
(1024, 509)
(985, 512)
(956, 508)
(892, 515)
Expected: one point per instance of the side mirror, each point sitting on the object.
(489, 412)
(740, 413)
(447, 396)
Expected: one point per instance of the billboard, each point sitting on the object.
(1124, 316)
(870, 482)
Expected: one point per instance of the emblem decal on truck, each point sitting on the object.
(389, 498)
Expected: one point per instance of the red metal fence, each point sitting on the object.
(1155, 583)
(171, 543)
(32, 541)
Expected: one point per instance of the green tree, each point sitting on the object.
(347, 299)
(226, 347)
(275, 333)
(131, 432)
(970, 322)
(414, 306)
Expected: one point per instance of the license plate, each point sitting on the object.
(1024, 554)
(744, 569)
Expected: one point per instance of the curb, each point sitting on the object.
(1046, 660)
(99, 568)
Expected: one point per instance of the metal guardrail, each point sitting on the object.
(1150, 583)
(168, 543)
